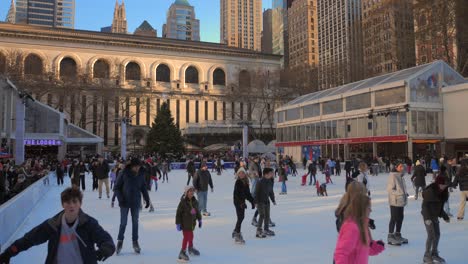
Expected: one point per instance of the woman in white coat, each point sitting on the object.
(397, 198)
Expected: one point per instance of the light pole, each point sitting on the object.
(21, 101)
(124, 121)
(245, 138)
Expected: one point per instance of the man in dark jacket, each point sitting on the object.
(263, 194)
(461, 179)
(102, 174)
(434, 197)
(72, 236)
(312, 171)
(60, 172)
(240, 195)
(128, 189)
(201, 181)
(419, 178)
(190, 170)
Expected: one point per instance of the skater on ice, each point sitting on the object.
(241, 194)
(188, 213)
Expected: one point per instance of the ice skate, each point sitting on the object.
(427, 259)
(271, 224)
(260, 234)
(183, 257)
(254, 222)
(151, 208)
(193, 251)
(234, 233)
(136, 247)
(402, 239)
(392, 240)
(239, 239)
(269, 233)
(119, 246)
(437, 259)
(206, 214)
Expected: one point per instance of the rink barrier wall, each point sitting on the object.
(15, 211)
(182, 165)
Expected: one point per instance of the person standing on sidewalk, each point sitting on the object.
(398, 199)
(128, 189)
(102, 174)
(461, 179)
(200, 182)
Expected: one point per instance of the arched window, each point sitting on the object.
(132, 72)
(101, 69)
(219, 77)
(191, 75)
(163, 73)
(67, 68)
(33, 65)
(2, 63)
(244, 79)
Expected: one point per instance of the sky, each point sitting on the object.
(94, 14)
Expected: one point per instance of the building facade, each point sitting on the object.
(394, 115)
(340, 42)
(119, 22)
(267, 33)
(442, 39)
(11, 15)
(241, 23)
(56, 13)
(181, 22)
(133, 76)
(280, 30)
(388, 35)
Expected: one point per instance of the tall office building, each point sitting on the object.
(241, 23)
(267, 33)
(388, 35)
(280, 30)
(303, 43)
(441, 30)
(340, 42)
(50, 13)
(119, 23)
(11, 16)
(181, 22)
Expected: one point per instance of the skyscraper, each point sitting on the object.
(119, 23)
(241, 23)
(280, 30)
(50, 13)
(388, 35)
(303, 43)
(340, 42)
(181, 22)
(267, 33)
(11, 16)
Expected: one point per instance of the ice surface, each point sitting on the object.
(305, 226)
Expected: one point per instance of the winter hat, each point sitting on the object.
(135, 162)
(188, 188)
(203, 164)
(418, 163)
(240, 170)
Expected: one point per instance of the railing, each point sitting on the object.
(15, 211)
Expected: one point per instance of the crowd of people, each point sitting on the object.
(132, 180)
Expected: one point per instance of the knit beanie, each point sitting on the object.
(240, 170)
(188, 188)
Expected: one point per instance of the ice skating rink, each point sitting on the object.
(305, 225)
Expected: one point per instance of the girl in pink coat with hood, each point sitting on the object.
(355, 244)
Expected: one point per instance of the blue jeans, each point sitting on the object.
(312, 176)
(283, 187)
(254, 184)
(123, 222)
(202, 200)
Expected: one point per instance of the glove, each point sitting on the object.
(377, 246)
(5, 257)
(211, 189)
(101, 255)
(147, 204)
(274, 203)
(199, 223)
(253, 206)
(446, 218)
(178, 227)
(371, 224)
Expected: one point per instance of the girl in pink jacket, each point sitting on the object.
(355, 244)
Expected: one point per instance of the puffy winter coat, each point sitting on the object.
(191, 167)
(102, 170)
(349, 247)
(88, 230)
(129, 188)
(264, 192)
(419, 176)
(461, 179)
(201, 181)
(396, 188)
(187, 213)
(434, 164)
(433, 202)
(242, 193)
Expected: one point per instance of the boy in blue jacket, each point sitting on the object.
(72, 236)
